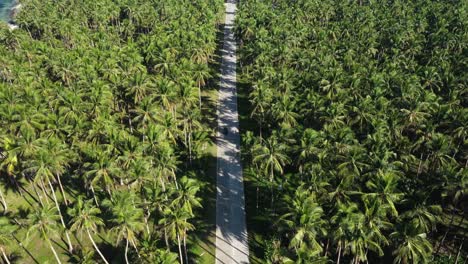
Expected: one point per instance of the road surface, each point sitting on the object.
(231, 232)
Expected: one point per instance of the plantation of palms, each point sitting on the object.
(354, 135)
(104, 135)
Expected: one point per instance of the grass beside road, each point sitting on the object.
(202, 242)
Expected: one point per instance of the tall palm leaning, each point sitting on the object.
(45, 166)
(7, 230)
(85, 218)
(43, 222)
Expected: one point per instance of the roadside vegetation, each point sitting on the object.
(355, 130)
(105, 135)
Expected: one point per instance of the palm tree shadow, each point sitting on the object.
(60, 245)
(26, 250)
(114, 254)
(13, 183)
(15, 258)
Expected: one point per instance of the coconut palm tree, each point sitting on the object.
(271, 155)
(127, 219)
(43, 221)
(384, 188)
(85, 218)
(102, 170)
(411, 245)
(186, 198)
(175, 220)
(304, 219)
(45, 167)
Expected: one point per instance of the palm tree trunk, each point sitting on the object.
(162, 183)
(94, 194)
(37, 193)
(326, 248)
(126, 251)
(445, 234)
(95, 246)
(4, 255)
(190, 142)
(199, 94)
(44, 192)
(61, 189)
(175, 180)
(53, 250)
(70, 245)
(180, 249)
(257, 197)
(339, 255)
(165, 239)
(136, 249)
(146, 217)
(367, 260)
(271, 188)
(420, 163)
(185, 245)
(185, 132)
(5, 206)
(459, 251)
(129, 119)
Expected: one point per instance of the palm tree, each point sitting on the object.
(45, 167)
(43, 221)
(423, 217)
(187, 200)
(127, 218)
(305, 220)
(348, 222)
(102, 170)
(270, 155)
(138, 87)
(85, 217)
(175, 220)
(62, 156)
(284, 112)
(376, 222)
(384, 189)
(261, 99)
(166, 164)
(7, 229)
(200, 74)
(150, 253)
(411, 245)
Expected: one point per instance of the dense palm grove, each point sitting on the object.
(359, 149)
(102, 135)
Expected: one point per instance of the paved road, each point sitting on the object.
(231, 232)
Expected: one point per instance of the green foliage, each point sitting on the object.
(101, 116)
(360, 112)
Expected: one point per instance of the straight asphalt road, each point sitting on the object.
(231, 231)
